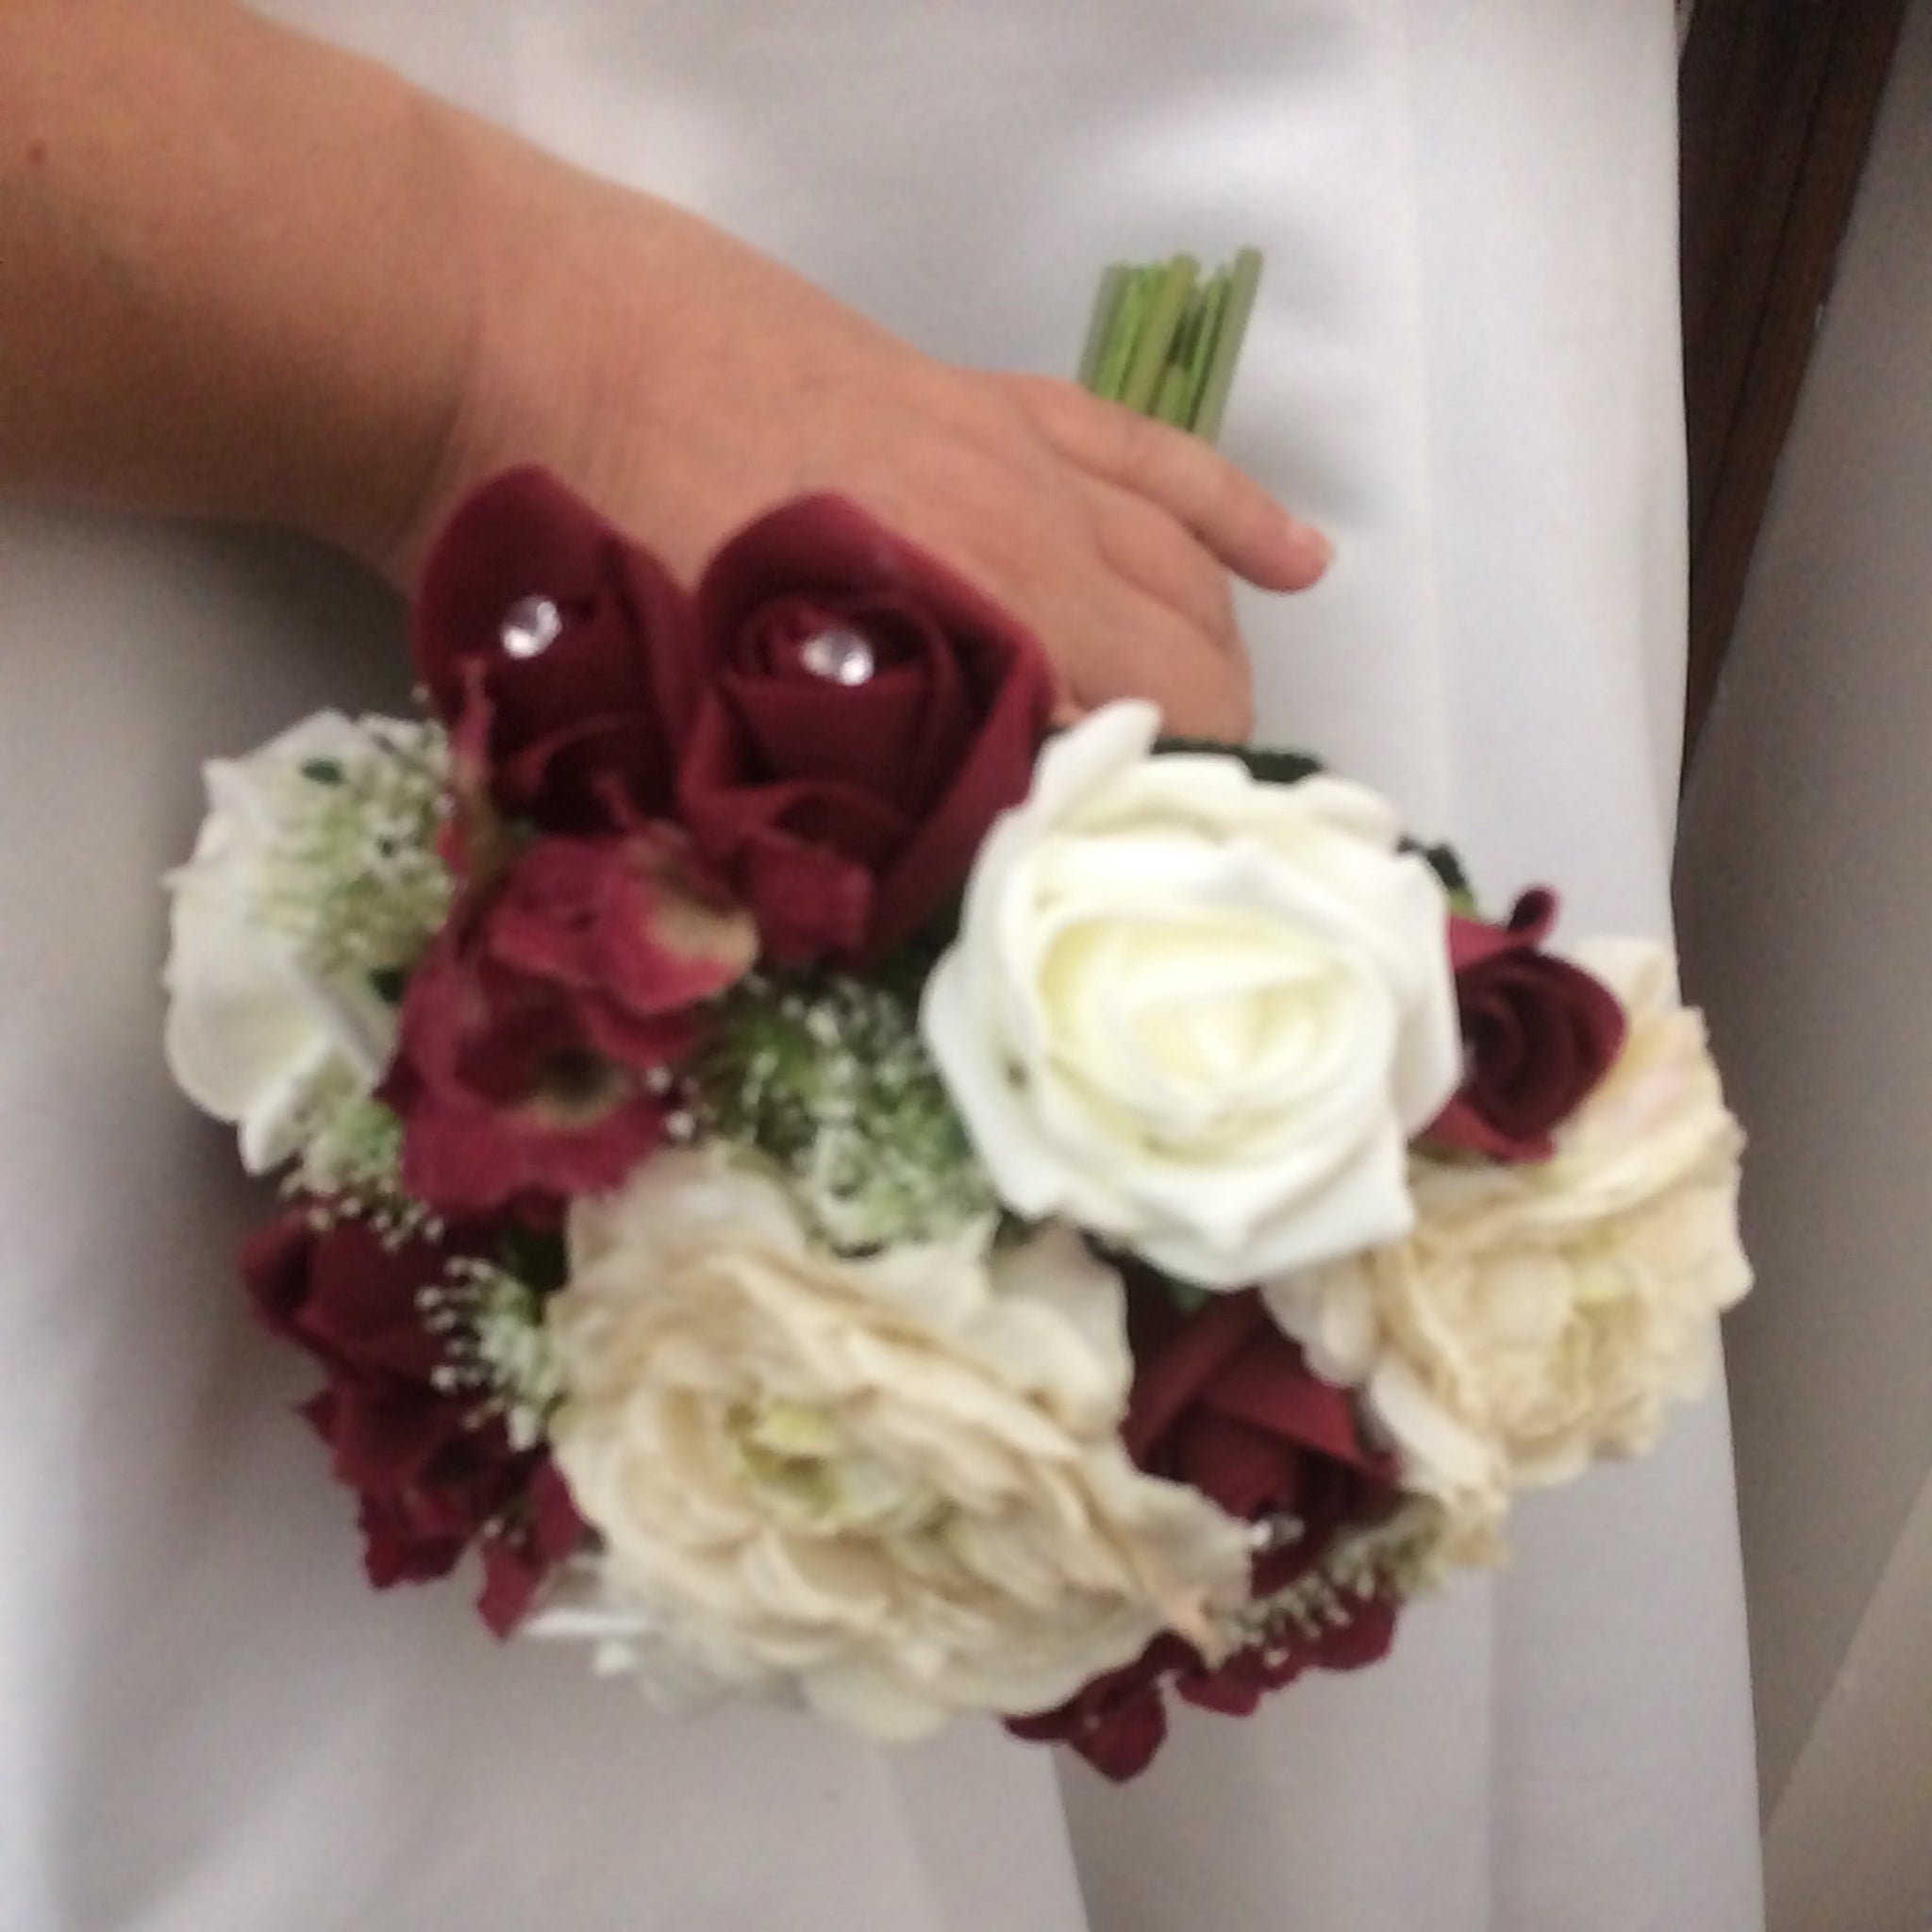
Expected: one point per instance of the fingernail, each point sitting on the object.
(1311, 549)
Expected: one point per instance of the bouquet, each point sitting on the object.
(838, 1192)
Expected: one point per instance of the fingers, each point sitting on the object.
(1144, 546)
(1130, 644)
(1230, 513)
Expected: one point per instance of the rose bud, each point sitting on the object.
(870, 715)
(563, 658)
(1538, 1034)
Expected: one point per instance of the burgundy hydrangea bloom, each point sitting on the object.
(846, 812)
(579, 727)
(433, 1478)
(1538, 1034)
(1224, 1401)
(539, 1024)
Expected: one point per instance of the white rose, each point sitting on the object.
(891, 1487)
(253, 1033)
(1195, 1014)
(1541, 1316)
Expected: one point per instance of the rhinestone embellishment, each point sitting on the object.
(840, 656)
(531, 626)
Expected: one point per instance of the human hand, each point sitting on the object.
(682, 383)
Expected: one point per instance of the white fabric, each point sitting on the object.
(1464, 368)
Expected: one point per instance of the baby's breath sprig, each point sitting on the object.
(1393, 1557)
(354, 880)
(826, 1076)
(495, 1347)
(350, 1165)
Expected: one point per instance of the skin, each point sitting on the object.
(249, 275)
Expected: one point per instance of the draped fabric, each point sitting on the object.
(1464, 368)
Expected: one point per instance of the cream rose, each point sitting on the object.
(254, 1031)
(891, 1487)
(1196, 1014)
(1542, 1316)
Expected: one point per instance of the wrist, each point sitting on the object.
(559, 315)
(390, 399)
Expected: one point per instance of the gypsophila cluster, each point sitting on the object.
(495, 1346)
(1392, 1558)
(826, 1077)
(349, 1167)
(354, 880)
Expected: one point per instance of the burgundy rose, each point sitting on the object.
(432, 1476)
(562, 655)
(1224, 1401)
(1538, 1033)
(869, 714)
(537, 1027)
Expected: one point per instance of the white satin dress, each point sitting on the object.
(1464, 368)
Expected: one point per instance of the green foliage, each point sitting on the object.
(1267, 767)
(826, 1078)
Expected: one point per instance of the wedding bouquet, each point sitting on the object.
(839, 1191)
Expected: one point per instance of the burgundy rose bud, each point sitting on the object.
(432, 1479)
(1538, 1033)
(1224, 1402)
(538, 1027)
(563, 656)
(871, 714)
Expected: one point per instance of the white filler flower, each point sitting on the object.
(1194, 1012)
(1542, 1316)
(262, 1022)
(893, 1486)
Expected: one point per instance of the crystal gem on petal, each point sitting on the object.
(531, 626)
(840, 656)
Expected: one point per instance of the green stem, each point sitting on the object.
(1201, 350)
(1243, 283)
(1106, 301)
(1124, 332)
(1170, 302)
(1164, 342)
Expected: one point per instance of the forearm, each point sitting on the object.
(243, 274)
(233, 281)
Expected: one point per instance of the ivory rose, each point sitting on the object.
(893, 1486)
(1196, 1014)
(254, 1031)
(1541, 1316)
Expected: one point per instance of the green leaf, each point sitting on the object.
(1447, 863)
(324, 772)
(1267, 767)
(388, 982)
(1188, 1296)
(533, 1256)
